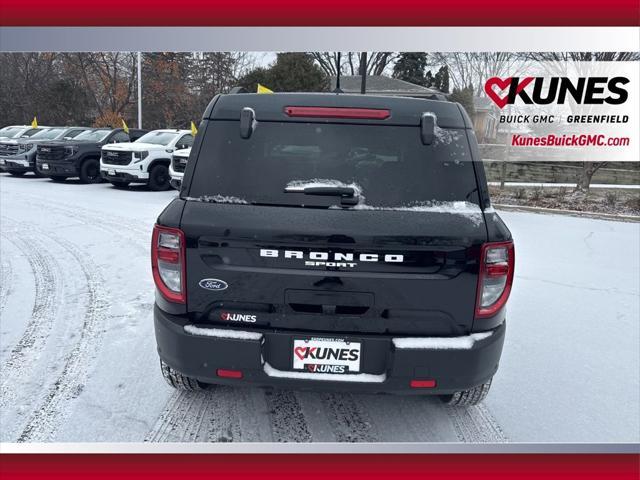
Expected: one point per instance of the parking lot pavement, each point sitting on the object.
(78, 360)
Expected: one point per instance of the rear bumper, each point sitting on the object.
(389, 363)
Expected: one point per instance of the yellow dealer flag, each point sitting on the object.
(124, 126)
(34, 123)
(194, 130)
(263, 89)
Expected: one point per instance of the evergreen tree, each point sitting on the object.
(465, 98)
(291, 72)
(410, 67)
(428, 79)
(441, 79)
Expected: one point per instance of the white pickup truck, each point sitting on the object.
(177, 167)
(147, 160)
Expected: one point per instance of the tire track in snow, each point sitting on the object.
(348, 422)
(45, 420)
(6, 280)
(207, 416)
(475, 425)
(113, 224)
(287, 419)
(221, 415)
(180, 419)
(223, 420)
(47, 277)
(159, 431)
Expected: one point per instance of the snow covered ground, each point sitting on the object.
(78, 360)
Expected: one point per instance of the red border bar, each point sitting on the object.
(324, 467)
(325, 13)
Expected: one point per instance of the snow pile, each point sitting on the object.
(222, 333)
(352, 377)
(440, 343)
(468, 210)
(218, 199)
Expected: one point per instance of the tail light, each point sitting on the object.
(168, 263)
(229, 373)
(338, 112)
(497, 262)
(423, 383)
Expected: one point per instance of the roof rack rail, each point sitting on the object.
(235, 90)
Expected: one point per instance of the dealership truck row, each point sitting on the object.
(93, 155)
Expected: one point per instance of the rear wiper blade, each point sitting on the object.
(348, 195)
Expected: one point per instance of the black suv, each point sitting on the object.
(79, 157)
(19, 156)
(329, 241)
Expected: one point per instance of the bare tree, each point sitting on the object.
(474, 68)
(377, 62)
(110, 80)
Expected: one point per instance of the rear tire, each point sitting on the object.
(159, 178)
(120, 185)
(470, 397)
(90, 171)
(17, 174)
(57, 178)
(179, 381)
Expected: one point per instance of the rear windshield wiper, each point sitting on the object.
(348, 195)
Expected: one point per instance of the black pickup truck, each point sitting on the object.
(79, 157)
(330, 241)
(18, 157)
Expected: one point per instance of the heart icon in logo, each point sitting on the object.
(503, 84)
(300, 352)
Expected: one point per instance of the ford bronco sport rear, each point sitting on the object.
(329, 241)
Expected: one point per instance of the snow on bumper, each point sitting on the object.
(388, 364)
(11, 163)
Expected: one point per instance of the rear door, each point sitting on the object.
(403, 259)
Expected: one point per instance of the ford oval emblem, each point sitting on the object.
(213, 284)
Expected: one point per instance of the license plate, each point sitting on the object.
(111, 172)
(326, 355)
(45, 166)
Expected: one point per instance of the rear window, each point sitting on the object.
(93, 135)
(10, 131)
(387, 166)
(48, 134)
(29, 133)
(158, 138)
